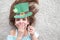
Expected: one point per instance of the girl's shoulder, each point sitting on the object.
(11, 35)
(12, 32)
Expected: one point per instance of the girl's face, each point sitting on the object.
(21, 22)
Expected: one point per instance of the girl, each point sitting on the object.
(22, 17)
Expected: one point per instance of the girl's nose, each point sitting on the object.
(21, 21)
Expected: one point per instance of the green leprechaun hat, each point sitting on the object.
(22, 10)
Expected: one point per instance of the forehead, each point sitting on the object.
(21, 18)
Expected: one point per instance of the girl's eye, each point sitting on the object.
(18, 19)
(24, 19)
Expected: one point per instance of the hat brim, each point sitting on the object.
(23, 16)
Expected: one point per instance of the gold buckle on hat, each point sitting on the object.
(22, 14)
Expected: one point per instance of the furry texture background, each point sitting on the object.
(47, 19)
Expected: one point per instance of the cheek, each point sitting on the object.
(17, 23)
(26, 23)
